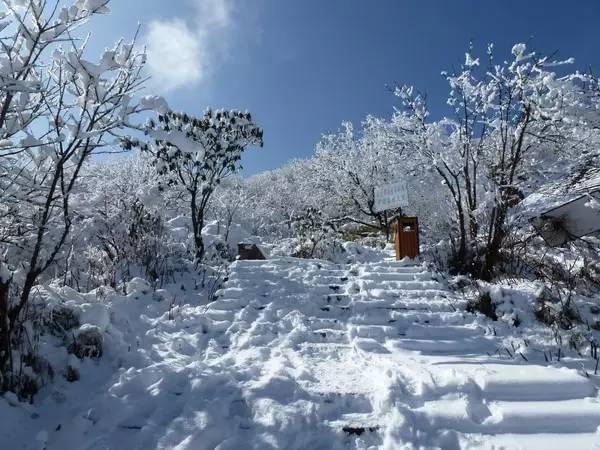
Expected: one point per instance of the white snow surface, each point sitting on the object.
(306, 354)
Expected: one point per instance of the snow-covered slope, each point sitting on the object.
(306, 354)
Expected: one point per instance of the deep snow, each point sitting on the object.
(305, 354)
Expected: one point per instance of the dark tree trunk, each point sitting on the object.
(495, 241)
(462, 243)
(30, 279)
(387, 226)
(5, 353)
(197, 225)
(199, 245)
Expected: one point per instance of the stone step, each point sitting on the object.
(356, 424)
(399, 285)
(396, 276)
(473, 346)
(428, 331)
(377, 332)
(330, 335)
(463, 415)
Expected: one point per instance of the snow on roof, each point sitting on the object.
(590, 183)
(562, 191)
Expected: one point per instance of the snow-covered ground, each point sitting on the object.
(307, 354)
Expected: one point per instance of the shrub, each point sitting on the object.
(484, 305)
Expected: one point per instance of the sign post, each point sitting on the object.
(391, 196)
(406, 231)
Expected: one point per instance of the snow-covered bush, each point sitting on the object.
(316, 237)
(124, 229)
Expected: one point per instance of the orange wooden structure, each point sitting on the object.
(406, 237)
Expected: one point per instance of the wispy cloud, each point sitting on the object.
(183, 52)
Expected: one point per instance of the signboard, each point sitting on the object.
(391, 196)
(574, 219)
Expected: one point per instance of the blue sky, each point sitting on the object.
(302, 67)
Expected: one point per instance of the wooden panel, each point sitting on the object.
(407, 238)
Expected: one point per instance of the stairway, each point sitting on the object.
(386, 356)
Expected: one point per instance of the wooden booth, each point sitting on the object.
(406, 237)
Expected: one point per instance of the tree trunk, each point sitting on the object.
(198, 241)
(387, 226)
(30, 279)
(5, 351)
(197, 225)
(462, 245)
(199, 246)
(492, 254)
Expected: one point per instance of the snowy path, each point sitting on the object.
(382, 356)
(306, 354)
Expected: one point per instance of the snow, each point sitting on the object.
(215, 233)
(5, 273)
(300, 353)
(155, 103)
(95, 314)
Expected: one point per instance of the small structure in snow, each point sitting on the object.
(249, 251)
(573, 219)
(406, 237)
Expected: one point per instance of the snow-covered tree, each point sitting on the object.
(228, 202)
(56, 109)
(275, 197)
(514, 121)
(197, 153)
(351, 166)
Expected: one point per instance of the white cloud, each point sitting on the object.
(183, 52)
(174, 55)
(214, 13)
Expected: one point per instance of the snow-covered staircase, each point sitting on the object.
(383, 354)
